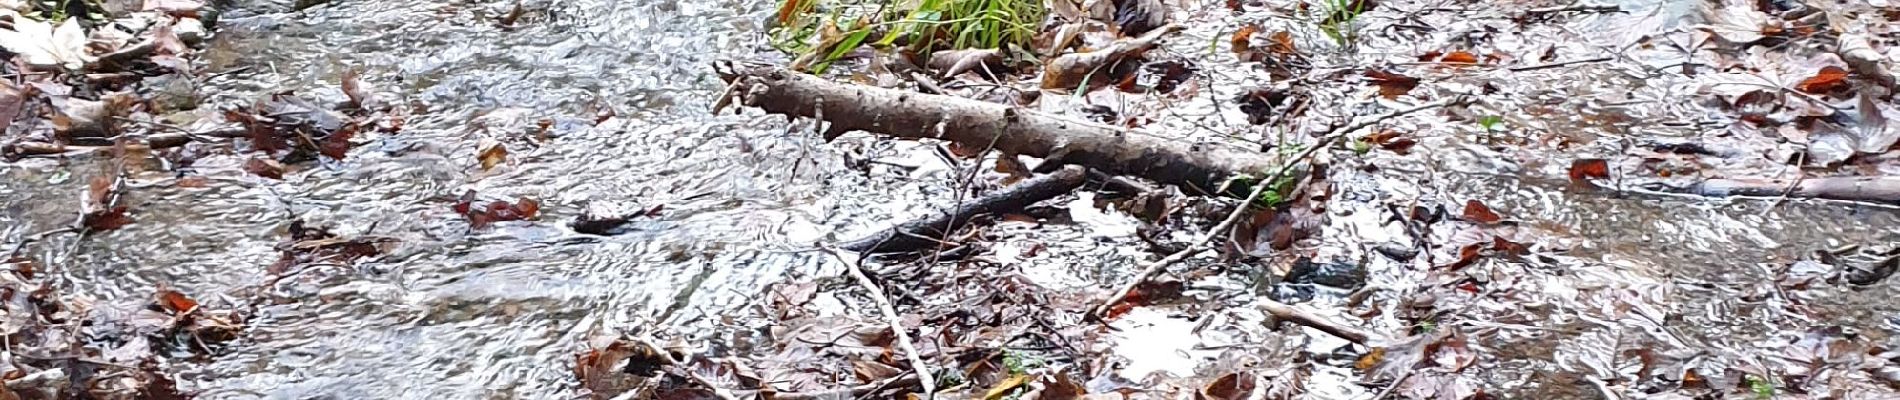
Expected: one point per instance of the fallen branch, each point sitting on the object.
(929, 231)
(1873, 189)
(1286, 312)
(155, 141)
(1153, 269)
(1560, 64)
(1199, 169)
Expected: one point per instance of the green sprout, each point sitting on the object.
(1490, 122)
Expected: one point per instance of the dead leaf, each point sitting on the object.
(1232, 386)
(105, 220)
(175, 301)
(1003, 388)
(1582, 170)
(1466, 256)
(1243, 36)
(1456, 57)
(1828, 80)
(1282, 44)
(1476, 211)
(39, 44)
(491, 153)
(1391, 85)
(336, 145)
(264, 167)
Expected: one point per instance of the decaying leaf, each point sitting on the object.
(106, 219)
(1070, 71)
(361, 94)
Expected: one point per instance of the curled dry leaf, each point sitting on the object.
(491, 153)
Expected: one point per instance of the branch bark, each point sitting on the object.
(1198, 168)
(928, 231)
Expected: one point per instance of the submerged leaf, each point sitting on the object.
(1582, 170)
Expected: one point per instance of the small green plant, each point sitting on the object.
(931, 25)
(1018, 363)
(1763, 388)
(1338, 24)
(1427, 326)
(1490, 122)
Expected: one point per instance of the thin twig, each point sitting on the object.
(1152, 269)
(1560, 64)
(924, 377)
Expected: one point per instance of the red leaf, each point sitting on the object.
(1830, 79)
(175, 301)
(1459, 57)
(1583, 169)
(1476, 211)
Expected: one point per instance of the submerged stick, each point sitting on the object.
(1198, 168)
(918, 367)
(927, 232)
(1873, 189)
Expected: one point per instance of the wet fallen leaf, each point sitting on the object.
(495, 211)
(1003, 389)
(1828, 80)
(1582, 170)
(1476, 211)
(491, 153)
(1232, 386)
(105, 220)
(336, 145)
(264, 167)
(1466, 256)
(1391, 85)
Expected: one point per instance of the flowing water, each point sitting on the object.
(453, 312)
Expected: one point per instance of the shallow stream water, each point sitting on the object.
(453, 312)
